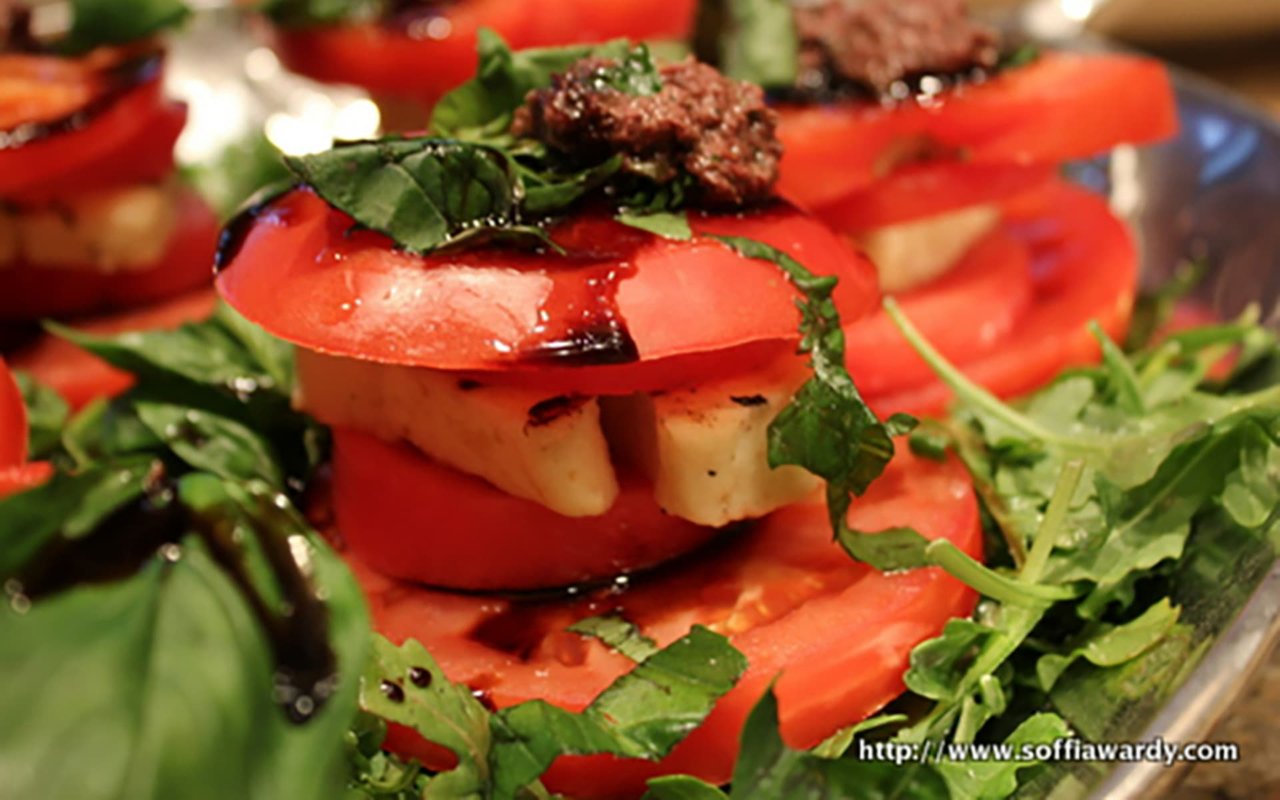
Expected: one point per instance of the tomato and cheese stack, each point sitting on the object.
(91, 217)
(912, 129)
(409, 53)
(564, 351)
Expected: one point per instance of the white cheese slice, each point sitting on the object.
(525, 442)
(706, 448)
(104, 231)
(916, 252)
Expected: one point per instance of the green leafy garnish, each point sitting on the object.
(827, 428)
(98, 23)
(751, 40)
(643, 714)
(47, 412)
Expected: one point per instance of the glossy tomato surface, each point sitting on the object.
(624, 301)
(423, 55)
(1060, 107)
(13, 421)
(1083, 267)
(927, 190)
(69, 125)
(29, 292)
(413, 518)
(836, 634)
(79, 376)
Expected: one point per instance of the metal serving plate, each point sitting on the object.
(1214, 193)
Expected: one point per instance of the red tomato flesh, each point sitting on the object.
(351, 294)
(21, 478)
(13, 421)
(1061, 107)
(80, 377)
(1083, 266)
(28, 292)
(926, 190)
(836, 632)
(413, 518)
(426, 57)
(104, 130)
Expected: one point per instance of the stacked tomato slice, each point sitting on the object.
(80, 137)
(1014, 309)
(70, 126)
(426, 53)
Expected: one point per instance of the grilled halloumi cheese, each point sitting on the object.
(916, 252)
(107, 231)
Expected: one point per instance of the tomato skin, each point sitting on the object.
(1061, 107)
(970, 311)
(80, 377)
(21, 478)
(383, 59)
(129, 141)
(1084, 265)
(28, 293)
(836, 634)
(353, 295)
(13, 421)
(413, 518)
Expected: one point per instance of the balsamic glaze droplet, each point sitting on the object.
(420, 677)
(392, 691)
(236, 232)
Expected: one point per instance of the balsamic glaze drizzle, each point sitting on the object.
(154, 526)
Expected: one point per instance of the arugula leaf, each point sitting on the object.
(827, 428)
(643, 714)
(751, 40)
(996, 780)
(47, 412)
(1112, 645)
(97, 23)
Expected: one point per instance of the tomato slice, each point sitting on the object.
(80, 377)
(352, 294)
(28, 292)
(1062, 106)
(67, 125)
(835, 633)
(423, 57)
(13, 421)
(926, 190)
(1084, 267)
(413, 518)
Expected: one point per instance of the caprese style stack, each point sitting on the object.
(410, 53)
(558, 352)
(936, 147)
(93, 218)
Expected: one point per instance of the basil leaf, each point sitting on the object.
(319, 12)
(481, 109)
(634, 74)
(643, 714)
(827, 428)
(98, 23)
(751, 40)
(139, 684)
(47, 413)
(667, 224)
(617, 634)
(214, 444)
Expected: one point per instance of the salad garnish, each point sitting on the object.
(94, 24)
